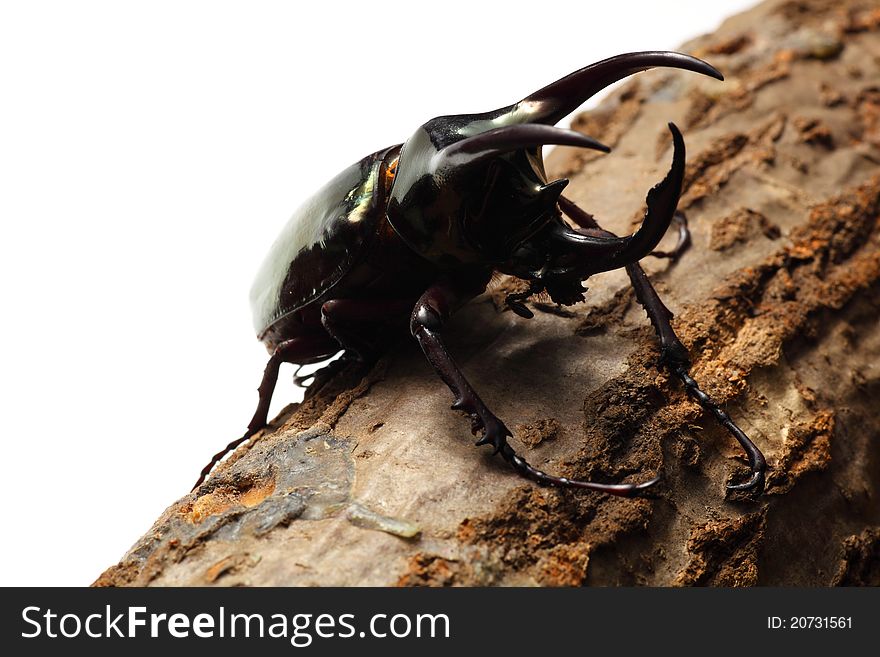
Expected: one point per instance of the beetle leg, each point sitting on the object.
(428, 316)
(684, 238)
(323, 374)
(675, 356)
(296, 350)
(515, 300)
(344, 319)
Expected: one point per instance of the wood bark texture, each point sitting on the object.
(373, 480)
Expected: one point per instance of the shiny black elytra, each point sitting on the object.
(412, 232)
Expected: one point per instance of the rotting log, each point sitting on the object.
(374, 481)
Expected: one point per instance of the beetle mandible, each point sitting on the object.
(414, 231)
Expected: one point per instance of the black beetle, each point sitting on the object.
(416, 230)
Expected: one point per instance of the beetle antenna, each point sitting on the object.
(510, 138)
(561, 98)
(529, 472)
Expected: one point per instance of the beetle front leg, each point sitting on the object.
(430, 313)
(673, 353)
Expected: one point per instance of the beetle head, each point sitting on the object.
(471, 188)
(560, 257)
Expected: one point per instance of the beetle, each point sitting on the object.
(410, 233)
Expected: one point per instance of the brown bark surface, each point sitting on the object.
(374, 481)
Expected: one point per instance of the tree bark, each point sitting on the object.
(374, 481)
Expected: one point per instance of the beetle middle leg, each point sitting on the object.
(675, 356)
(302, 349)
(344, 319)
(428, 317)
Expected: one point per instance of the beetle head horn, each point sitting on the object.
(614, 252)
(577, 254)
(662, 201)
(559, 99)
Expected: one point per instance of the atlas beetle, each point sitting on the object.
(414, 231)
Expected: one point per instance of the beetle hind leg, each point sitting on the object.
(301, 349)
(428, 317)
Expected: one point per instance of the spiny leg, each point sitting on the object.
(682, 244)
(344, 319)
(430, 313)
(320, 375)
(296, 350)
(674, 355)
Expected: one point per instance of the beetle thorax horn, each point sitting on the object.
(554, 102)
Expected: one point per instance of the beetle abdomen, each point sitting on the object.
(321, 241)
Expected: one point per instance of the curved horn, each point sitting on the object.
(561, 98)
(500, 140)
(662, 202)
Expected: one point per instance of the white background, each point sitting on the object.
(149, 154)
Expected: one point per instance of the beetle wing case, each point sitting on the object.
(321, 241)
